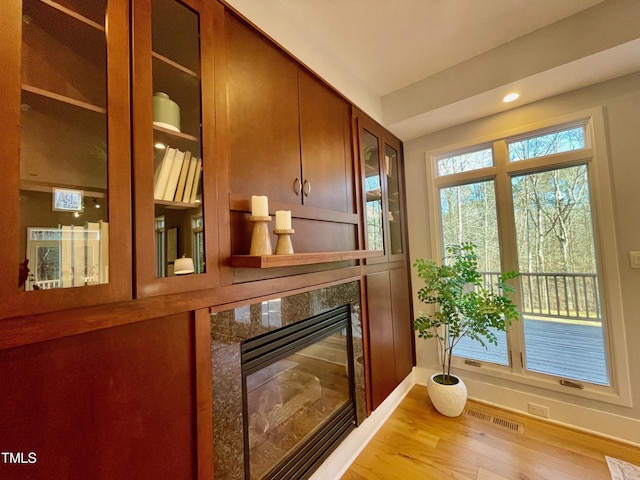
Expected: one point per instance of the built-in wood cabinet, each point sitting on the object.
(83, 144)
(262, 86)
(289, 133)
(66, 157)
(325, 146)
(174, 150)
(383, 187)
(289, 138)
(387, 289)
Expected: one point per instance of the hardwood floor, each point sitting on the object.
(416, 442)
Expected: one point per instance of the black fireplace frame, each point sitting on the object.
(266, 349)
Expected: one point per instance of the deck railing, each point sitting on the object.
(566, 295)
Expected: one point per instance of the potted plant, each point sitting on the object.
(467, 307)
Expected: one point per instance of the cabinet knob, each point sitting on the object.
(296, 186)
(306, 188)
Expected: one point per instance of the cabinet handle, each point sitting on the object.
(306, 188)
(296, 186)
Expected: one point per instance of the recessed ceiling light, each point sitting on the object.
(511, 97)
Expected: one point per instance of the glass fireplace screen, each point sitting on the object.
(297, 384)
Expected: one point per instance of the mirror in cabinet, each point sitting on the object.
(67, 131)
(170, 150)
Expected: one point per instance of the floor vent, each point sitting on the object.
(497, 421)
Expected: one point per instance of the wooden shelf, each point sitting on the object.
(63, 99)
(272, 261)
(177, 205)
(162, 132)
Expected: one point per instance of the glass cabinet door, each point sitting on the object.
(170, 150)
(177, 146)
(394, 200)
(64, 213)
(72, 151)
(373, 191)
(383, 187)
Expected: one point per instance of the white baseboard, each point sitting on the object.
(342, 457)
(590, 420)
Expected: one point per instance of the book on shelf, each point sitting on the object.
(174, 175)
(182, 179)
(196, 181)
(163, 170)
(193, 162)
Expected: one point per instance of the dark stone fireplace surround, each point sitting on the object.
(230, 327)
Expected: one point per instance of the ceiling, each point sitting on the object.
(422, 65)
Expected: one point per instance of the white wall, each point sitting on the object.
(621, 101)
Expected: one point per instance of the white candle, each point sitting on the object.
(283, 220)
(259, 206)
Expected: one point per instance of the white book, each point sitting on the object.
(163, 174)
(174, 174)
(189, 183)
(196, 181)
(182, 180)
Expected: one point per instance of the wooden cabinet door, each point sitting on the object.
(402, 323)
(381, 337)
(65, 149)
(327, 166)
(262, 93)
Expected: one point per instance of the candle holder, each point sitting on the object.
(284, 247)
(260, 239)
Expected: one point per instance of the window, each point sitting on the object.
(161, 248)
(526, 200)
(197, 227)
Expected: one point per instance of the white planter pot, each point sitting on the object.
(449, 400)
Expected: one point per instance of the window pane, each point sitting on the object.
(469, 214)
(465, 162)
(561, 302)
(547, 144)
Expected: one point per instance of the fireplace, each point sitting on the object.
(298, 395)
(288, 382)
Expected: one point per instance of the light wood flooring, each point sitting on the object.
(416, 442)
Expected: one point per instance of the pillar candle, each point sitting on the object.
(259, 206)
(283, 220)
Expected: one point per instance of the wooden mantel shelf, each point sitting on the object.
(272, 261)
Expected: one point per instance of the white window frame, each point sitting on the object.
(596, 153)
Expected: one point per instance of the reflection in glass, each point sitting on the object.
(177, 142)
(373, 192)
(64, 229)
(393, 187)
(289, 399)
